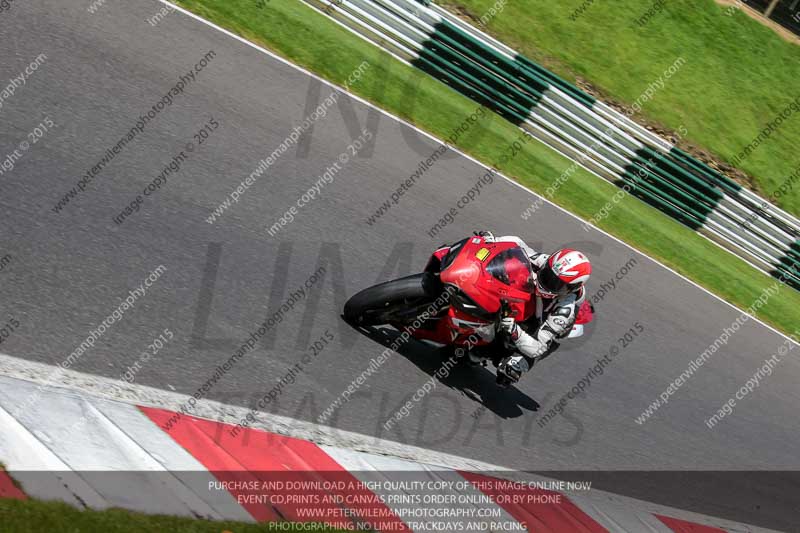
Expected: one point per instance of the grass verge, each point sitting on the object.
(31, 515)
(739, 74)
(302, 35)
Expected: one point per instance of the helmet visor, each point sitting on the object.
(550, 283)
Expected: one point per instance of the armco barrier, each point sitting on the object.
(578, 126)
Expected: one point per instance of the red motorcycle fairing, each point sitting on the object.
(485, 275)
(485, 286)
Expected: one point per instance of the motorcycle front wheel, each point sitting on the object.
(397, 301)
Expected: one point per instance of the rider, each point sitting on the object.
(559, 292)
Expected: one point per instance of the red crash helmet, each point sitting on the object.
(566, 271)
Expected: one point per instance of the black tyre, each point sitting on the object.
(400, 300)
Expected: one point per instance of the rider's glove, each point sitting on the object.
(487, 235)
(513, 367)
(509, 326)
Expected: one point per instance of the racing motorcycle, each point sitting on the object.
(459, 300)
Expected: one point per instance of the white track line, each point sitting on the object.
(467, 156)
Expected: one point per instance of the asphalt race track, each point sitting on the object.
(70, 269)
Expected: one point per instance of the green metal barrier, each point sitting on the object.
(588, 131)
(674, 182)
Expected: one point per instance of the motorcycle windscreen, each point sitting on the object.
(513, 269)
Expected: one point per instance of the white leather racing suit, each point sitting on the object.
(553, 320)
